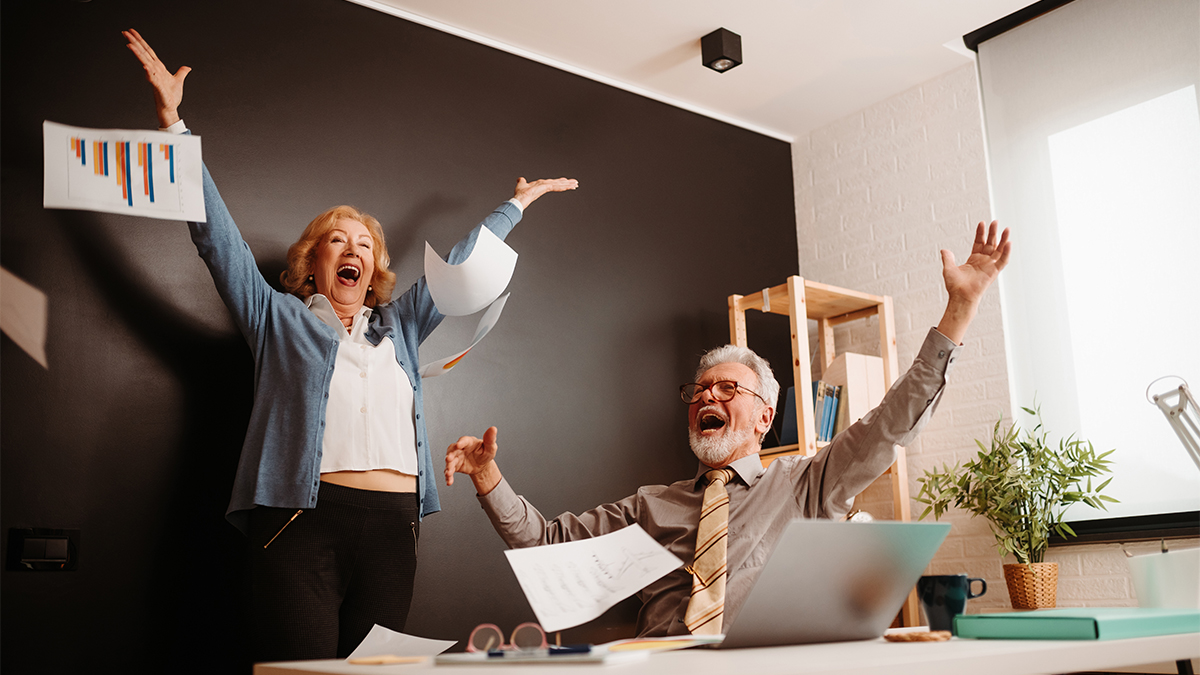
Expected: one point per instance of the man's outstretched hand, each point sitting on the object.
(967, 282)
(476, 458)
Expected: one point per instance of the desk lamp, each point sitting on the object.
(1172, 578)
(1182, 413)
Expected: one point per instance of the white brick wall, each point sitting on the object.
(878, 193)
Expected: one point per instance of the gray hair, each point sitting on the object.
(768, 386)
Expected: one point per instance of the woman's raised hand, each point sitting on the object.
(527, 193)
(168, 88)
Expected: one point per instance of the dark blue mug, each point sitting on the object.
(945, 596)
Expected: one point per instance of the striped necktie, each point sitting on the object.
(705, 610)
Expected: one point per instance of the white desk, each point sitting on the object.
(872, 657)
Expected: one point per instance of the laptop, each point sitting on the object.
(830, 581)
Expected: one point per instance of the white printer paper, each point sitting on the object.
(474, 283)
(575, 582)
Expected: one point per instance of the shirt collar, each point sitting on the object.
(320, 306)
(749, 468)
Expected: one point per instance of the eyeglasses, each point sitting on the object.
(722, 391)
(488, 637)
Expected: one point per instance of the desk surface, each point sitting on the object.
(871, 657)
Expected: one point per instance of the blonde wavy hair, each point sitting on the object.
(296, 279)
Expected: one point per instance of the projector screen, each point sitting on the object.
(1093, 137)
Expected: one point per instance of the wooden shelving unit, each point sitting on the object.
(801, 300)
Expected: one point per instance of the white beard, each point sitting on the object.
(714, 450)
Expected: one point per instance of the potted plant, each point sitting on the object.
(1022, 485)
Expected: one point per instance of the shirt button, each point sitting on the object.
(362, 409)
(418, 444)
(941, 353)
(362, 374)
(418, 417)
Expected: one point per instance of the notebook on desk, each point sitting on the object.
(831, 582)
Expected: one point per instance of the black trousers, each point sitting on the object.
(321, 580)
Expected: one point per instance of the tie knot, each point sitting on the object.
(719, 475)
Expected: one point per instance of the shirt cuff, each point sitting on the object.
(177, 128)
(515, 203)
(501, 502)
(938, 350)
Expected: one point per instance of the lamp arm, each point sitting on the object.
(1183, 415)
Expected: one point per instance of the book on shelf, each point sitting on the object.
(825, 413)
(843, 412)
(1079, 623)
(818, 406)
(789, 435)
(826, 404)
(835, 397)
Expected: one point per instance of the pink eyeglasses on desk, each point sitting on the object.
(488, 637)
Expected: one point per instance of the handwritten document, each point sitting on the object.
(572, 583)
(137, 173)
(473, 284)
(486, 323)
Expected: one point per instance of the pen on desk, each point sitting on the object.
(551, 651)
(570, 649)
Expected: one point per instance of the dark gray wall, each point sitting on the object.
(133, 433)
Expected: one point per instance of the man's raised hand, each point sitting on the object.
(966, 283)
(471, 456)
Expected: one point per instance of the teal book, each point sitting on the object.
(1079, 623)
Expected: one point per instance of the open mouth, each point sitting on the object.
(348, 272)
(711, 422)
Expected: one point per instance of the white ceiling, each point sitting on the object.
(806, 62)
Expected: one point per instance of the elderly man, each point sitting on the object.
(730, 406)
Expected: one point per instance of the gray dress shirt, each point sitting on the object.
(761, 501)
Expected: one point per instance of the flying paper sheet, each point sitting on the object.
(470, 286)
(572, 583)
(23, 315)
(383, 641)
(486, 323)
(138, 173)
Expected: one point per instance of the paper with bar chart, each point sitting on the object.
(138, 173)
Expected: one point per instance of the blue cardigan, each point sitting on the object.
(294, 354)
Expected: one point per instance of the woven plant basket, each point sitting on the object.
(1032, 586)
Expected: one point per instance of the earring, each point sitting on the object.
(310, 278)
(370, 288)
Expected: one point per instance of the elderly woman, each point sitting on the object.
(335, 473)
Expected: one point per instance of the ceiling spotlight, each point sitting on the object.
(721, 50)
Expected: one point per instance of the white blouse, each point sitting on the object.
(369, 415)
